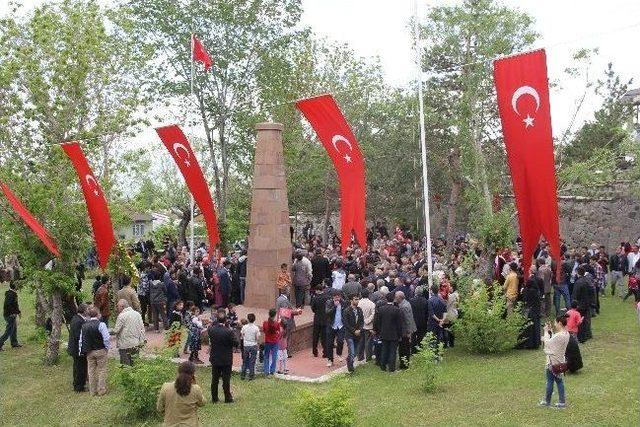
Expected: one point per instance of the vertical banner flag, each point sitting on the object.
(28, 219)
(523, 103)
(337, 138)
(199, 53)
(96, 203)
(180, 149)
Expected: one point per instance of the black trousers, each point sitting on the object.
(404, 352)
(223, 372)
(417, 338)
(334, 335)
(79, 373)
(388, 353)
(144, 309)
(319, 335)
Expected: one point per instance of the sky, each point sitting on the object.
(379, 28)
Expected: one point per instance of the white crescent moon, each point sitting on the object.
(91, 181)
(340, 138)
(524, 90)
(177, 146)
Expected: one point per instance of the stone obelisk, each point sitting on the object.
(269, 235)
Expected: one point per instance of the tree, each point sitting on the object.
(461, 42)
(247, 40)
(68, 73)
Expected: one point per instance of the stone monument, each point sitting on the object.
(269, 235)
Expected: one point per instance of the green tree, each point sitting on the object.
(67, 72)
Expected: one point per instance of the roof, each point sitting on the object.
(631, 97)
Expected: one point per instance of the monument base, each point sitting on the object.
(302, 335)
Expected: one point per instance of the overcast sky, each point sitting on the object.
(379, 28)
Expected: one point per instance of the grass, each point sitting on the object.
(476, 390)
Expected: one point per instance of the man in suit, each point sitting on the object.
(387, 325)
(94, 344)
(11, 311)
(408, 328)
(353, 320)
(225, 282)
(334, 309)
(320, 269)
(73, 348)
(419, 308)
(222, 341)
(318, 302)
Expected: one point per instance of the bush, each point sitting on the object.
(483, 328)
(331, 409)
(141, 383)
(426, 363)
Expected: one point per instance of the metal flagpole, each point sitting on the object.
(192, 205)
(423, 148)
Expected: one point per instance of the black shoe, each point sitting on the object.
(228, 401)
(17, 346)
(214, 401)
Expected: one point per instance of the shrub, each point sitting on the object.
(426, 363)
(483, 328)
(141, 383)
(331, 409)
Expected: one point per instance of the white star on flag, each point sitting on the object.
(187, 163)
(96, 192)
(528, 121)
(347, 158)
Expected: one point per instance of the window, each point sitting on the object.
(138, 229)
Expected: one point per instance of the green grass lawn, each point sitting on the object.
(497, 390)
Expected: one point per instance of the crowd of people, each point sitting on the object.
(375, 302)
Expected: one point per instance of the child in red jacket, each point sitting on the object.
(574, 319)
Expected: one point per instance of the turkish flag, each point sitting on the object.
(523, 102)
(337, 138)
(28, 219)
(199, 53)
(180, 149)
(96, 203)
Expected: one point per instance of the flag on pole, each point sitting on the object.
(180, 149)
(337, 138)
(523, 102)
(96, 203)
(29, 219)
(199, 53)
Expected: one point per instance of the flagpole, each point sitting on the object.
(192, 204)
(423, 148)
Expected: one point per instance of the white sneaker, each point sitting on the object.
(329, 364)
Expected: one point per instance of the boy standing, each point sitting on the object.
(250, 334)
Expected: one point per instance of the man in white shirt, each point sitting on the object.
(633, 257)
(338, 276)
(250, 334)
(368, 308)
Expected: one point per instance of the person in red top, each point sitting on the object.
(574, 318)
(271, 330)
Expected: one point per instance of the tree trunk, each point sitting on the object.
(456, 185)
(53, 343)
(42, 308)
(182, 228)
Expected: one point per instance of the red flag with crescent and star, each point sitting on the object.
(96, 203)
(337, 138)
(523, 103)
(180, 149)
(199, 53)
(30, 220)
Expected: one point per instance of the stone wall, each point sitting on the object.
(604, 222)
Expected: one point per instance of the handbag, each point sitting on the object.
(559, 368)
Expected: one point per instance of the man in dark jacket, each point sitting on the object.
(435, 315)
(158, 300)
(334, 309)
(419, 308)
(222, 341)
(387, 325)
(353, 321)
(318, 303)
(225, 282)
(11, 311)
(583, 293)
(195, 289)
(73, 348)
(320, 269)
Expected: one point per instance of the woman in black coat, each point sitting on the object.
(531, 309)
